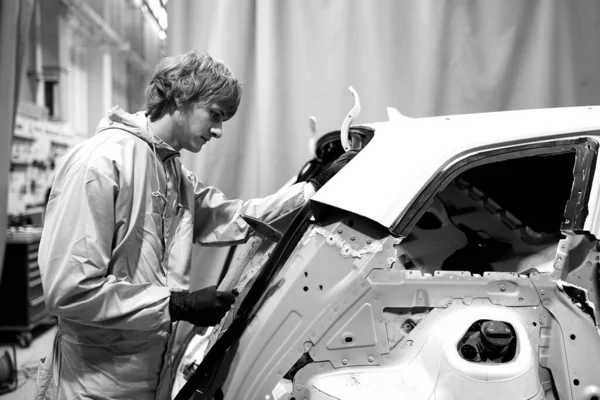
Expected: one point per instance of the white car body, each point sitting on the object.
(365, 304)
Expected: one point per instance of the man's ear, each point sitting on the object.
(172, 107)
(183, 108)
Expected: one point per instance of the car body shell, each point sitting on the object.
(331, 298)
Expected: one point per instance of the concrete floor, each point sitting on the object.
(28, 360)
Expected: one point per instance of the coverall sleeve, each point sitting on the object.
(217, 220)
(74, 255)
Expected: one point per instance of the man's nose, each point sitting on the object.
(216, 132)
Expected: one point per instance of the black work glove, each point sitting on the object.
(204, 307)
(321, 179)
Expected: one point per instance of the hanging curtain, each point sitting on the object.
(423, 57)
(15, 17)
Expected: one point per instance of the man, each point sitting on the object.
(115, 253)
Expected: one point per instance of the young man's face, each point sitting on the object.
(197, 124)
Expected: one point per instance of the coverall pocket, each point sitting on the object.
(46, 382)
(43, 380)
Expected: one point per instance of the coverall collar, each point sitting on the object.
(137, 124)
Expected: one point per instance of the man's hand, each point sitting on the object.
(319, 180)
(204, 307)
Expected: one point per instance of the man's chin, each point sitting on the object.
(197, 148)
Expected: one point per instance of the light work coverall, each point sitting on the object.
(121, 220)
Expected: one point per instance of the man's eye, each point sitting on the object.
(216, 116)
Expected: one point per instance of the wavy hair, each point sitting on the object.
(189, 79)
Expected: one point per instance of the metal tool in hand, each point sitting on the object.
(262, 228)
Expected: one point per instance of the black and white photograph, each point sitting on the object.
(300, 199)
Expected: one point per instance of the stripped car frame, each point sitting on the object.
(343, 310)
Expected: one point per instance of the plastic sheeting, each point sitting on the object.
(423, 57)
